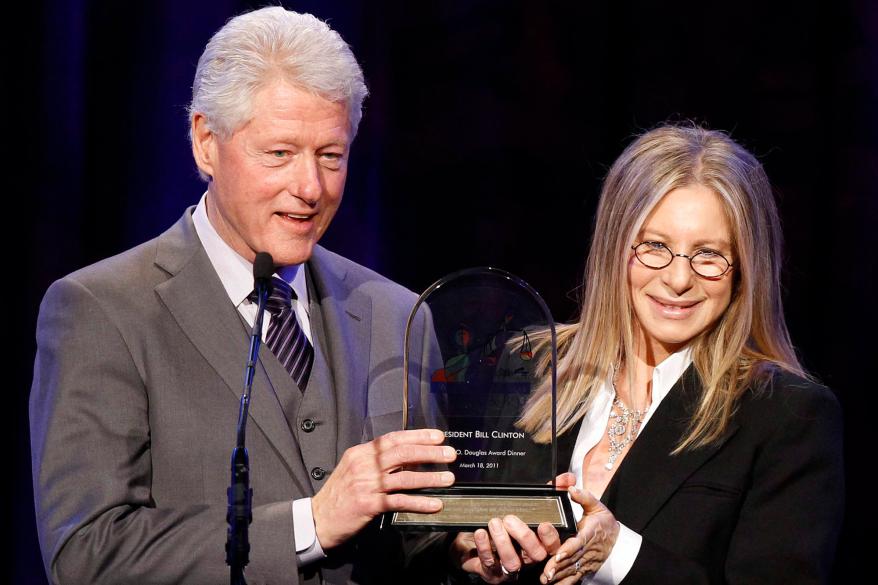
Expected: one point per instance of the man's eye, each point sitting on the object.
(279, 153)
(332, 160)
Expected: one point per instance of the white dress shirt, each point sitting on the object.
(594, 425)
(236, 274)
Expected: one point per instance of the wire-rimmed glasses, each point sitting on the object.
(707, 263)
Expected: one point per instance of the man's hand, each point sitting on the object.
(492, 555)
(363, 483)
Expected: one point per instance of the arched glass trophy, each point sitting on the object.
(497, 342)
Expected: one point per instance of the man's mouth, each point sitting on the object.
(297, 216)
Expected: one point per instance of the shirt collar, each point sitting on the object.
(234, 271)
(666, 374)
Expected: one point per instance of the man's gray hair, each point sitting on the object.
(256, 47)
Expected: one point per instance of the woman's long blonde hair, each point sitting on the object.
(750, 338)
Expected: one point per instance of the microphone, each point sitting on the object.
(240, 495)
(263, 269)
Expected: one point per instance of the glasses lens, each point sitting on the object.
(653, 254)
(709, 264)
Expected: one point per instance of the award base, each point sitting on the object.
(469, 507)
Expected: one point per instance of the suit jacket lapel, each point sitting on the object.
(347, 313)
(649, 474)
(195, 297)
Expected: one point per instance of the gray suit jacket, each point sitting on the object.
(137, 381)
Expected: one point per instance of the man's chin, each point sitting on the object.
(290, 257)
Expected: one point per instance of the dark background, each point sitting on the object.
(488, 131)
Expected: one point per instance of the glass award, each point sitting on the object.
(498, 347)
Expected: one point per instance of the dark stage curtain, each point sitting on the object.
(488, 131)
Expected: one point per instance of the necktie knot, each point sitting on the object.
(279, 299)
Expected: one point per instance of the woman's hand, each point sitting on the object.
(584, 553)
(492, 554)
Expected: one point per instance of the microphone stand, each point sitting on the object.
(240, 509)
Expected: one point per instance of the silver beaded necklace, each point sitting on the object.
(624, 424)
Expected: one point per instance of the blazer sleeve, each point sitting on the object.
(789, 521)
(91, 458)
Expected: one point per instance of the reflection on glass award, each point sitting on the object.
(497, 343)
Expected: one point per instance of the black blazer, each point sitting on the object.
(762, 505)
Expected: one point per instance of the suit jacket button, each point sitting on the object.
(308, 425)
(318, 473)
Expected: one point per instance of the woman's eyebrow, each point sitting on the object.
(715, 243)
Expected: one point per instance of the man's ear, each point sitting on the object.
(203, 144)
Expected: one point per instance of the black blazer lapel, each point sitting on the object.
(649, 474)
(565, 445)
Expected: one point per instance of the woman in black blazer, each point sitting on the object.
(699, 449)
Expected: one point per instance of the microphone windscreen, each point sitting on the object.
(263, 266)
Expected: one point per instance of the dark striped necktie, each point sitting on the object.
(285, 337)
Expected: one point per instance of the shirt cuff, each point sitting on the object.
(308, 547)
(621, 558)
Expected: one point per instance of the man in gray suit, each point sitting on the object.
(138, 371)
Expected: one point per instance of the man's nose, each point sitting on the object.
(306, 183)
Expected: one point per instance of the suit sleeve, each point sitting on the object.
(790, 518)
(91, 458)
